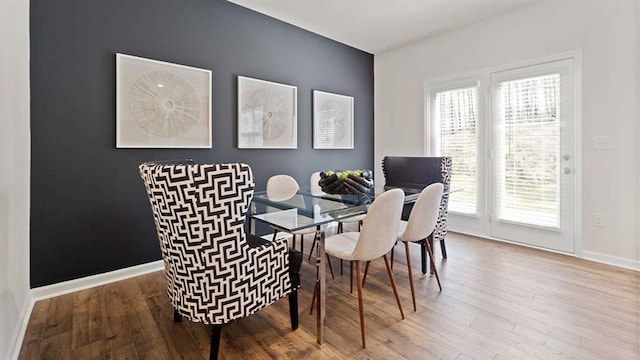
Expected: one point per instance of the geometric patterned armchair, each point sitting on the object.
(418, 173)
(215, 272)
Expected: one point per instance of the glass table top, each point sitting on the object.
(305, 209)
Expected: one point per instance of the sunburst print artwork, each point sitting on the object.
(162, 104)
(267, 116)
(332, 121)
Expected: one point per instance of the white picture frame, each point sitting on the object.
(162, 105)
(332, 121)
(267, 114)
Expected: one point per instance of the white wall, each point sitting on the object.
(606, 33)
(14, 172)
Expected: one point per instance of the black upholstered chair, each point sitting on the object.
(418, 173)
(215, 272)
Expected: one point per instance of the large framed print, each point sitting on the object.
(332, 121)
(161, 105)
(267, 115)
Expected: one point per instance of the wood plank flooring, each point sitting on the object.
(499, 301)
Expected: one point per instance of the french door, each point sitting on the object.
(532, 155)
(523, 119)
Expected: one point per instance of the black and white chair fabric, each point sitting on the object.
(215, 272)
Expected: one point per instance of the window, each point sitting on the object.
(454, 134)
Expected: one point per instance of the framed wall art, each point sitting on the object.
(267, 115)
(332, 121)
(161, 105)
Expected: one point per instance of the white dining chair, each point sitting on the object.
(281, 187)
(378, 235)
(422, 222)
(316, 189)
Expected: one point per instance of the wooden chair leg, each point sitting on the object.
(293, 308)
(351, 277)
(215, 342)
(275, 232)
(366, 270)
(176, 316)
(330, 266)
(360, 305)
(423, 257)
(393, 285)
(392, 251)
(313, 244)
(434, 270)
(430, 242)
(413, 290)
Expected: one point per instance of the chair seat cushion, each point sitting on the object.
(342, 245)
(255, 241)
(401, 228)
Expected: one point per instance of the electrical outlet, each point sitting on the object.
(602, 142)
(598, 220)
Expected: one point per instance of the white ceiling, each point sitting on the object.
(378, 25)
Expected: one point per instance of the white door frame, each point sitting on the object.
(462, 223)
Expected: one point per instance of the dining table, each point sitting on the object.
(310, 209)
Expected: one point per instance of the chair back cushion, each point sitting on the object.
(316, 189)
(424, 214)
(199, 213)
(412, 172)
(419, 172)
(281, 187)
(380, 226)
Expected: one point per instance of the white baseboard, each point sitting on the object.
(625, 263)
(18, 336)
(618, 261)
(74, 285)
(66, 287)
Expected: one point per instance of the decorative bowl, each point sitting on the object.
(348, 182)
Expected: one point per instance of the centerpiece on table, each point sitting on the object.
(347, 182)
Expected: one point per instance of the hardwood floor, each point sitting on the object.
(499, 301)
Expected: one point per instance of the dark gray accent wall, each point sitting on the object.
(89, 211)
